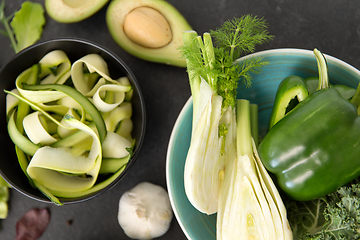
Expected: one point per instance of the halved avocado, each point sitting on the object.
(70, 11)
(148, 29)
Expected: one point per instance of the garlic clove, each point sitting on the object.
(145, 211)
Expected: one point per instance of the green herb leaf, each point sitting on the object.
(216, 64)
(27, 24)
(241, 35)
(336, 216)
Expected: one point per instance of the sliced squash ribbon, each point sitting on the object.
(59, 129)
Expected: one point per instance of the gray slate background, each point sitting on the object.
(333, 26)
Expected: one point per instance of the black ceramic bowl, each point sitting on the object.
(75, 49)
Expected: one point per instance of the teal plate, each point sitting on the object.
(282, 63)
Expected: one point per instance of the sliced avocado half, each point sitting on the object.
(70, 11)
(148, 29)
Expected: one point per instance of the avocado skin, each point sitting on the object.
(169, 54)
(61, 12)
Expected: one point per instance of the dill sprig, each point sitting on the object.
(235, 38)
(241, 35)
(214, 60)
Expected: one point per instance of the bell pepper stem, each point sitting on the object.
(356, 98)
(323, 70)
(324, 78)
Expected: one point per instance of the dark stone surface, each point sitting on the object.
(333, 26)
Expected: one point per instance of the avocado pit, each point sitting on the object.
(147, 27)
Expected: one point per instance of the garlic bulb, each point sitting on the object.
(145, 211)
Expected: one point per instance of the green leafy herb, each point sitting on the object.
(336, 216)
(215, 64)
(26, 26)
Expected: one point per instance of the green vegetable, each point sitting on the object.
(4, 198)
(148, 29)
(250, 206)
(213, 76)
(72, 11)
(294, 89)
(83, 101)
(223, 173)
(312, 83)
(313, 149)
(335, 216)
(48, 162)
(66, 135)
(26, 26)
(289, 88)
(19, 139)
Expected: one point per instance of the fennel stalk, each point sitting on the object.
(213, 77)
(250, 207)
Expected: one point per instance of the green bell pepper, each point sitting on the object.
(294, 89)
(345, 91)
(290, 88)
(314, 149)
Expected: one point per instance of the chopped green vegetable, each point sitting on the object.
(47, 162)
(335, 216)
(4, 197)
(213, 76)
(26, 26)
(61, 134)
(83, 101)
(291, 88)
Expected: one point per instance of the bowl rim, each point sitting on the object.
(139, 143)
(281, 51)
(184, 109)
(299, 51)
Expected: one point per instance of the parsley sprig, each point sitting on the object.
(25, 26)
